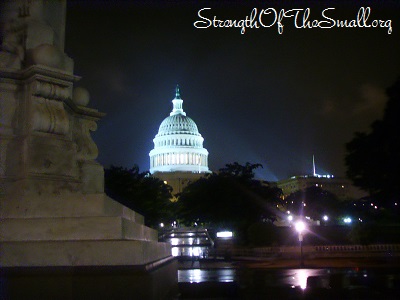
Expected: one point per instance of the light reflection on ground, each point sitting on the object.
(284, 277)
(324, 283)
(299, 276)
(209, 275)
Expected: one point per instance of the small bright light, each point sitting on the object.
(224, 234)
(395, 203)
(165, 182)
(288, 212)
(161, 225)
(300, 226)
(326, 218)
(196, 251)
(376, 207)
(175, 251)
(290, 218)
(347, 220)
(308, 218)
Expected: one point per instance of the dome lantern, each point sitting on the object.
(177, 103)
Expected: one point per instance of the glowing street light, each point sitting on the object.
(347, 220)
(300, 227)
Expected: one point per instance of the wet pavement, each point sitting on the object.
(252, 279)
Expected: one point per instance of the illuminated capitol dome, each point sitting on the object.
(178, 152)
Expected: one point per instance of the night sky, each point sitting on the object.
(259, 97)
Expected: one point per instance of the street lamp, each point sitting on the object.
(300, 226)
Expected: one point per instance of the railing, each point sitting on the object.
(363, 248)
(312, 251)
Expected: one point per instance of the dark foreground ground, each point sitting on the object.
(338, 278)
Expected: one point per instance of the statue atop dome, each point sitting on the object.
(177, 92)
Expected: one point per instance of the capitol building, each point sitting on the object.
(178, 156)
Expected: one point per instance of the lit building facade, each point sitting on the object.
(341, 187)
(178, 156)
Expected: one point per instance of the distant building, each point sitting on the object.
(341, 187)
(178, 156)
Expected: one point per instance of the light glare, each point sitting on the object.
(300, 226)
(224, 234)
(347, 220)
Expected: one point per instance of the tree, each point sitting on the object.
(231, 199)
(373, 159)
(141, 192)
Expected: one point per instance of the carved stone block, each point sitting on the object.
(92, 177)
(52, 157)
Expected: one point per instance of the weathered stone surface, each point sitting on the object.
(82, 253)
(52, 204)
(53, 210)
(65, 205)
(81, 96)
(74, 228)
(46, 133)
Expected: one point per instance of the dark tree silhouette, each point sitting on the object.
(230, 199)
(141, 192)
(373, 159)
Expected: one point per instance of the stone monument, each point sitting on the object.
(60, 235)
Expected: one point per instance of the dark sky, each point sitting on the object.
(259, 97)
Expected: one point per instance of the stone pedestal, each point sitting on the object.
(52, 246)
(61, 237)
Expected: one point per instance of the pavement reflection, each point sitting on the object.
(288, 277)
